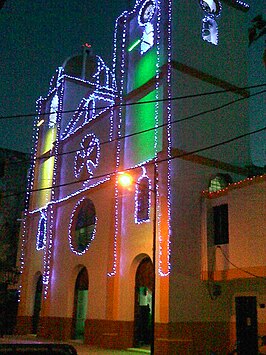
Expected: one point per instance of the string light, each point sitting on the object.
(152, 8)
(41, 232)
(103, 77)
(100, 94)
(123, 18)
(143, 198)
(75, 124)
(48, 253)
(118, 142)
(164, 271)
(71, 232)
(234, 185)
(29, 194)
(50, 212)
(240, 4)
(70, 196)
(107, 96)
(84, 158)
(105, 90)
(145, 16)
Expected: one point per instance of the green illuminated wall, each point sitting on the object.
(145, 68)
(141, 117)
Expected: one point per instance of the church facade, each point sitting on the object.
(176, 259)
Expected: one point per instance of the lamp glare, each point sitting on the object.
(125, 180)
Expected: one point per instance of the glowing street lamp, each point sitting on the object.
(125, 179)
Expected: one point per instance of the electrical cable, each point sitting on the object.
(154, 128)
(135, 103)
(234, 265)
(170, 123)
(211, 285)
(148, 163)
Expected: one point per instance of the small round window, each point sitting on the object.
(219, 182)
(82, 226)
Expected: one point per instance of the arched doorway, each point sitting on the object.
(80, 304)
(143, 303)
(37, 305)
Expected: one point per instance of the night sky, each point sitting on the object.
(36, 37)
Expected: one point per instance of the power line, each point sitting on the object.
(106, 175)
(135, 103)
(218, 144)
(172, 122)
(234, 265)
(155, 128)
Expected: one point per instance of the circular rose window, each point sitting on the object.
(82, 226)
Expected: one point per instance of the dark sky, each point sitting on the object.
(36, 37)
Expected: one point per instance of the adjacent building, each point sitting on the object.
(13, 180)
(176, 259)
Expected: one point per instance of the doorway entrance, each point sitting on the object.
(143, 303)
(37, 305)
(246, 325)
(80, 304)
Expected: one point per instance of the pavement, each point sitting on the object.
(82, 349)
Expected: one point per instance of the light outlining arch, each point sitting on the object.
(50, 210)
(124, 15)
(165, 253)
(56, 86)
(71, 227)
(41, 231)
(138, 192)
(121, 22)
(151, 4)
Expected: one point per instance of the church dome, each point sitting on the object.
(89, 67)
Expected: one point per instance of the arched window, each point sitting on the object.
(142, 202)
(41, 233)
(219, 182)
